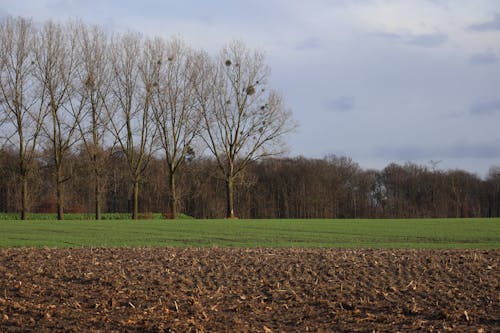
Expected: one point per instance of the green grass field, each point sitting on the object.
(389, 233)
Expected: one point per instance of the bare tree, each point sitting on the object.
(134, 73)
(56, 65)
(243, 121)
(93, 85)
(22, 115)
(175, 109)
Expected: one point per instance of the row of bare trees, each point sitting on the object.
(332, 187)
(67, 88)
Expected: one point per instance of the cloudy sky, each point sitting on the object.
(379, 81)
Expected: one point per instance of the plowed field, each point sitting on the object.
(258, 290)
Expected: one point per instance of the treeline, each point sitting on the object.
(333, 187)
(123, 101)
(93, 122)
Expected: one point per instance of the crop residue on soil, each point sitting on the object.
(265, 290)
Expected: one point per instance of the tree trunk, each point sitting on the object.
(95, 150)
(229, 198)
(24, 197)
(135, 212)
(24, 173)
(59, 194)
(97, 196)
(173, 196)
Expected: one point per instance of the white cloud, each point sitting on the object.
(484, 58)
(490, 25)
(428, 40)
(341, 104)
(485, 107)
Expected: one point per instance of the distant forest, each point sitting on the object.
(98, 122)
(333, 187)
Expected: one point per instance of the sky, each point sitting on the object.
(379, 81)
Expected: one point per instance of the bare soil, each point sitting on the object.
(258, 290)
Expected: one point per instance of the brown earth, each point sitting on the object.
(258, 290)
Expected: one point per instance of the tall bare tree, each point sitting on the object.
(93, 86)
(21, 114)
(175, 110)
(243, 121)
(134, 73)
(56, 66)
